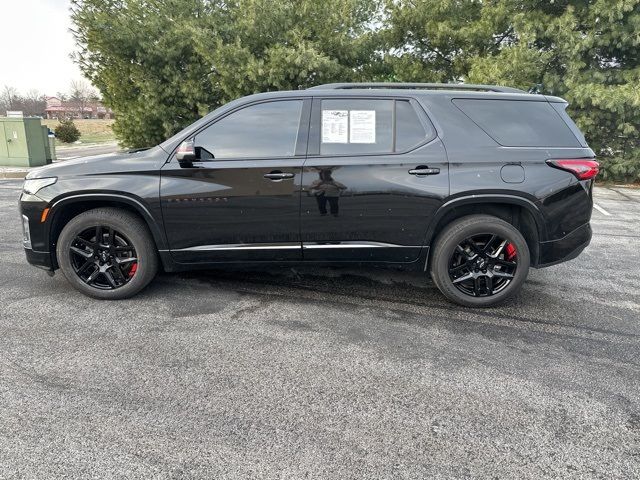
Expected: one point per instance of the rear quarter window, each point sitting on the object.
(409, 130)
(518, 123)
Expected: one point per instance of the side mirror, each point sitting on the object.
(186, 152)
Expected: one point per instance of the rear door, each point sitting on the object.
(375, 174)
(240, 200)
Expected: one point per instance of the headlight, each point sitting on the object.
(33, 185)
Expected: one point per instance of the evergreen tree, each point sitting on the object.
(585, 52)
(161, 64)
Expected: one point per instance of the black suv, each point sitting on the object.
(473, 183)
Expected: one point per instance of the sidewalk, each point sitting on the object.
(13, 172)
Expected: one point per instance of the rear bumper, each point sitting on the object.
(39, 259)
(565, 248)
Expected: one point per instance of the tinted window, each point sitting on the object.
(409, 130)
(356, 126)
(262, 130)
(519, 123)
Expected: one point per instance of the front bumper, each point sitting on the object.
(36, 233)
(39, 259)
(565, 248)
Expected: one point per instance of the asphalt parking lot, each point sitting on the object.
(321, 373)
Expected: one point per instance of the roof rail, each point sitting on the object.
(417, 86)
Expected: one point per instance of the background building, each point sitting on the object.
(57, 108)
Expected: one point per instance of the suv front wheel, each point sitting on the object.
(479, 261)
(107, 253)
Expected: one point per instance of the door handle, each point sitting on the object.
(278, 175)
(422, 170)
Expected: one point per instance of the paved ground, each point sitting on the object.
(68, 153)
(325, 373)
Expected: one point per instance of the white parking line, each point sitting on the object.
(601, 210)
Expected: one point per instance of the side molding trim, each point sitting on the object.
(290, 246)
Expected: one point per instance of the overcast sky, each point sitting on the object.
(36, 46)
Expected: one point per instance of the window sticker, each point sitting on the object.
(362, 127)
(335, 126)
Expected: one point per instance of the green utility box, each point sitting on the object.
(23, 143)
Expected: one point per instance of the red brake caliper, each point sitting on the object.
(133, 270)
(510, 251)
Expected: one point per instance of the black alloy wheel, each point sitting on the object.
(103, 257)
(479, 261)
(483, 265)
(107, 253)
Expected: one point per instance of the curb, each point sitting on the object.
(13, 175)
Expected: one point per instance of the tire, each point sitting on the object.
(80, 255)
(459, 261)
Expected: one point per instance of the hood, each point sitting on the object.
(103, 164)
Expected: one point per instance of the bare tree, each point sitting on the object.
(81, 94)
(34, 103)
(8, 99)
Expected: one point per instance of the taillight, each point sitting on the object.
(582, 168)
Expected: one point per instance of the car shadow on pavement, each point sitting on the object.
(537, 305)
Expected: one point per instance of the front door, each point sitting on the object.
(375, 174)
(239, 201)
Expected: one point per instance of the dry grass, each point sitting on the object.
(92, 131)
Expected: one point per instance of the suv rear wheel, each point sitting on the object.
(107, 253)
(480, 261)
